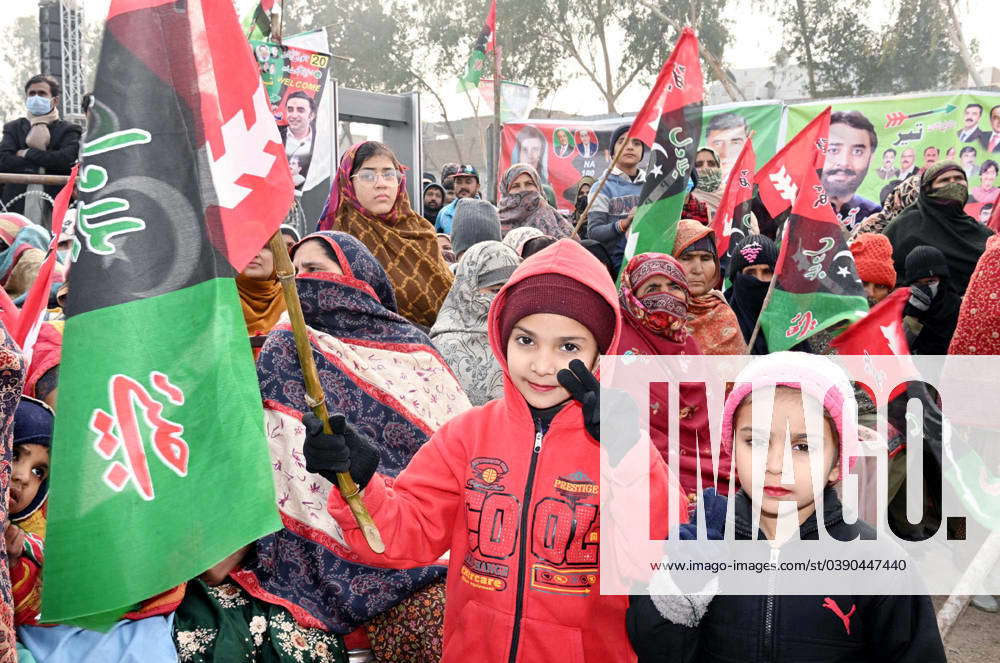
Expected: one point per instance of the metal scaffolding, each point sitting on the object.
(71, 33)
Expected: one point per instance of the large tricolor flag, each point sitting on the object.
(816, 282)
(732, 220)
(670, 123)
(485, 43)
(160, 467)
(781, 178)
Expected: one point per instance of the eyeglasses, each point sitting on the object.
(369, 176)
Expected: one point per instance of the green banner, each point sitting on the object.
(911, 131)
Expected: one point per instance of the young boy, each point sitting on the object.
(29, 488)
(783, 627)
(511, 488)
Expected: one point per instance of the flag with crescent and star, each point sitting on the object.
(781, 178)
(670, 122)
(160, 464)
(732, 220)
(816, 282)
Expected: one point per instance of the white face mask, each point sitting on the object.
(934, 289)
(38, 105)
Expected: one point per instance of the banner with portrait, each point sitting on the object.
(565, 151)
(294, 79)
(875, 142)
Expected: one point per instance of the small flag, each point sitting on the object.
(732, 221)
(878, 333)
(37, 299)
(670, 122)
(160, 466)
(781, 178)
(485, 43)
(258, 23)
(816, 282)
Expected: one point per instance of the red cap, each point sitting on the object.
(873, 256)
(561, 295)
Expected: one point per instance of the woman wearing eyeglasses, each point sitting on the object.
(368, 200)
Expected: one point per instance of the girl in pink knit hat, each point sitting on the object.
(804, 410)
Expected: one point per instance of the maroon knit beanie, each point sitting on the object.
(562, 295)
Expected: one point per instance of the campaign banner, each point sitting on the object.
(564, 151)
(877, 141)
(294, 79)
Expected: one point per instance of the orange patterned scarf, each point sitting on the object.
(401, 240)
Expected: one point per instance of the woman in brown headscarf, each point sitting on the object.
(522, 204)
(713, 323)
(260, 296)
(368, 200)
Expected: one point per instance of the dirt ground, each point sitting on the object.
(975, 637)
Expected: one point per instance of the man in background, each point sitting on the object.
(848, 157)
(39, 142)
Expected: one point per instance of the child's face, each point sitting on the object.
(31, 468)
(788, 411)
(541, 345)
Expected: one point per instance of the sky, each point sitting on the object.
(754, 46)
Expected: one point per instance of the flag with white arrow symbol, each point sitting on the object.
(780, 179)
(160, 466)
(815, 283)
(670, 122)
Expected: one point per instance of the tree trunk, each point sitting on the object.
(444, 115)
(803, 26)
(963, 48)
(609, 84)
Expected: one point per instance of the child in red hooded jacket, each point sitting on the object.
(511, 487)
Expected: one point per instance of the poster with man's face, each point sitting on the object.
(564, 151)
(294, 79)
(876, 142)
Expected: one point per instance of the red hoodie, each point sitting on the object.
(511, 599)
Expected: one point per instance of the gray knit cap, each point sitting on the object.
(475, 221)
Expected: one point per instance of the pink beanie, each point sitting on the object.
(815, 375)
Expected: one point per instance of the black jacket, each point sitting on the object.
(776, 628)
(58, 159)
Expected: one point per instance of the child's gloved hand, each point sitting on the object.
(13, 536)
(344, 450)
(585, 389)
(623, 430)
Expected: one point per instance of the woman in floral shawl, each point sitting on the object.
(713, 323)
(460, 330)
(522, 204)
(385, 372)
(904, 195)
(368, 200)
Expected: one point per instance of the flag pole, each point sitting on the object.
(600, 185)
(496, 113)
(314, 390)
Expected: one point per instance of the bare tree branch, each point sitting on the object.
(963, 48)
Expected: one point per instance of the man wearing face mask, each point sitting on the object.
(931, 313)
(938, 219)
(38, 142)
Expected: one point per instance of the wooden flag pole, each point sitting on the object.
(314, 390)
(600, 185)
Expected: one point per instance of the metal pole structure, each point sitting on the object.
(497, 86)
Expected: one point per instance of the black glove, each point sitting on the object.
(585, 389)
(344, 450)
(920, 300)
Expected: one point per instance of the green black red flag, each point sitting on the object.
(816, 282)
(160, 467)
(780, 179)
(732, 220)
(670, 123)
(485, 43)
